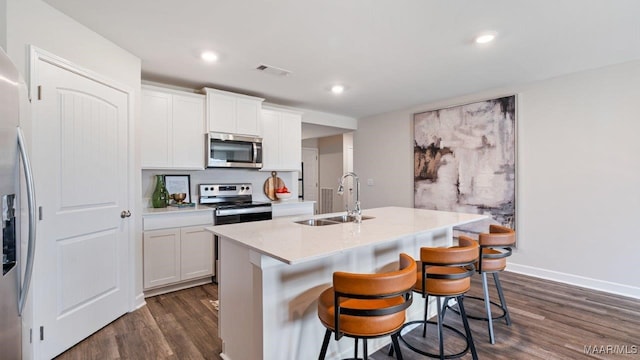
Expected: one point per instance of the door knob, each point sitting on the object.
(125, 214)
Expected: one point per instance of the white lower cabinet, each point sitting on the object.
(175, 256)
(293, 208)
(196, 253)
(161, 257)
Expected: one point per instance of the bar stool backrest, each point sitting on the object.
(395, 286)
(499, 240)
(463, 257)
(498, 236)
(377, 285)
(465, 253)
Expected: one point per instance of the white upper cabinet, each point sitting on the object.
(282, 136)
(233, 113)
(188, 132)
(156, 129)
(172, 132)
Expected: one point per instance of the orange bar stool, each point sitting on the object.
(445, 273)
(495, 247)
(364, 306)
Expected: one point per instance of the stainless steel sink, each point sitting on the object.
(316, 222)
(331, 220)
(345, 218)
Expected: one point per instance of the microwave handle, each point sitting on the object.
(255, 152)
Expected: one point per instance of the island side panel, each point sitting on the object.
(236, 314)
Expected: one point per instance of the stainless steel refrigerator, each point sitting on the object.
(16, 277)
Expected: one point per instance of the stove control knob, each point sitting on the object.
(247, 188)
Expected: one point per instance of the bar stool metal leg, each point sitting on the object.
(440, 330)
(355, 351)
(487, 305)
(426, 312)
(503, 302)
(325, 345)
(366, 351)
(467, 329)
(395, 345)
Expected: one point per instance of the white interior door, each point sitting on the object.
(310, 174)
(81, 161)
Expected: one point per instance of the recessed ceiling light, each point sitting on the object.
(337, 89)
(209, 56)
(485, 38)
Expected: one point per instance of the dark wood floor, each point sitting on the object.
(178, 325)
(550, 321)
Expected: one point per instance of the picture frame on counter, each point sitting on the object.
(178, 184)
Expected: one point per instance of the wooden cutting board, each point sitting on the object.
(271, 184)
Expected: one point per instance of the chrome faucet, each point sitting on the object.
(356, 212)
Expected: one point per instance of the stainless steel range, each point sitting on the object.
(232, 203)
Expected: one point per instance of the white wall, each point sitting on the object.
(33, 22)
(330, 166)
(310, 143)
(383, 153)
(3, 24)
(347, 166)
(578, 195)
(327, 119)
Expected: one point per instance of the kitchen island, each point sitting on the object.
(271, 273)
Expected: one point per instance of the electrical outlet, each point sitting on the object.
(369, 182)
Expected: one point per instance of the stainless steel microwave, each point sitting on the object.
(233, 151)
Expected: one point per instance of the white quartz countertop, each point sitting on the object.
(290, 202)
(289, 242)
(175, 210)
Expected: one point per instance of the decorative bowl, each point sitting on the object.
(179, 197)
(283, 196)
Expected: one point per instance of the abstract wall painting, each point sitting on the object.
(465, 160)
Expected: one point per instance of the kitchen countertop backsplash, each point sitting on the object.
(222, 176)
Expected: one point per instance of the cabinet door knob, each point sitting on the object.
(125, 214)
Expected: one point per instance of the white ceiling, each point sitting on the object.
(390, 54)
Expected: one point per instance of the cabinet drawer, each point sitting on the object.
(173, 220)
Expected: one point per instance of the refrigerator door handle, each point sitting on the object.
(31, 247)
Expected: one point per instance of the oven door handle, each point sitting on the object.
(252, 210)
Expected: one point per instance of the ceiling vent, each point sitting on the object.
(273, 70)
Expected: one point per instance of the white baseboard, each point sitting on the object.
(139, 302)
(589, 283)
(175, 287)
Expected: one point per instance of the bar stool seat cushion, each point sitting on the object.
(492, 265)
(364, 326)
(443, 287)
